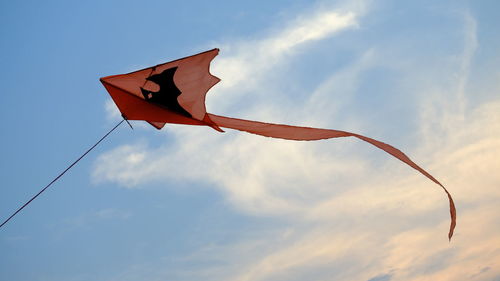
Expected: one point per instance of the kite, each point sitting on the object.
(174, 92)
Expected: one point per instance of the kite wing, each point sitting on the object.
(174, 92)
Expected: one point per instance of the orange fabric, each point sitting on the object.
(307, 134)
(192, 78)
(134, 108)
(185, 83)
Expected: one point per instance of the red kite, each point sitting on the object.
(174, 92)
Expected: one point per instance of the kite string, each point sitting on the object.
(61, 174)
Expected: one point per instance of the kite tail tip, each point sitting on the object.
(452, 227)
(453, 212)
(453, 215)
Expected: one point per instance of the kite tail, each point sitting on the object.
(305, 134)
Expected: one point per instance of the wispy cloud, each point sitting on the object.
(112, 112)
(245, 62)
(345, 211)
(245, 167)
(394, 229)
(448, 109)
(87, 219)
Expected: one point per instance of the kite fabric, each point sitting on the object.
(174, 92)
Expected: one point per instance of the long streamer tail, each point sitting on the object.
(306, 134)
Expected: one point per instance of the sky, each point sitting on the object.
(189, 203)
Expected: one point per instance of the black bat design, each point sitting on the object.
(168, 93)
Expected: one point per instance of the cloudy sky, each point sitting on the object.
(189, 203)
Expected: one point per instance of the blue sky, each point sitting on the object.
(189, 203)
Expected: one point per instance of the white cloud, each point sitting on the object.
(393, 227)
(87, 219)
(257, 174)
(111, 213)
(346, 212)
(112, 112)
(243, 65)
